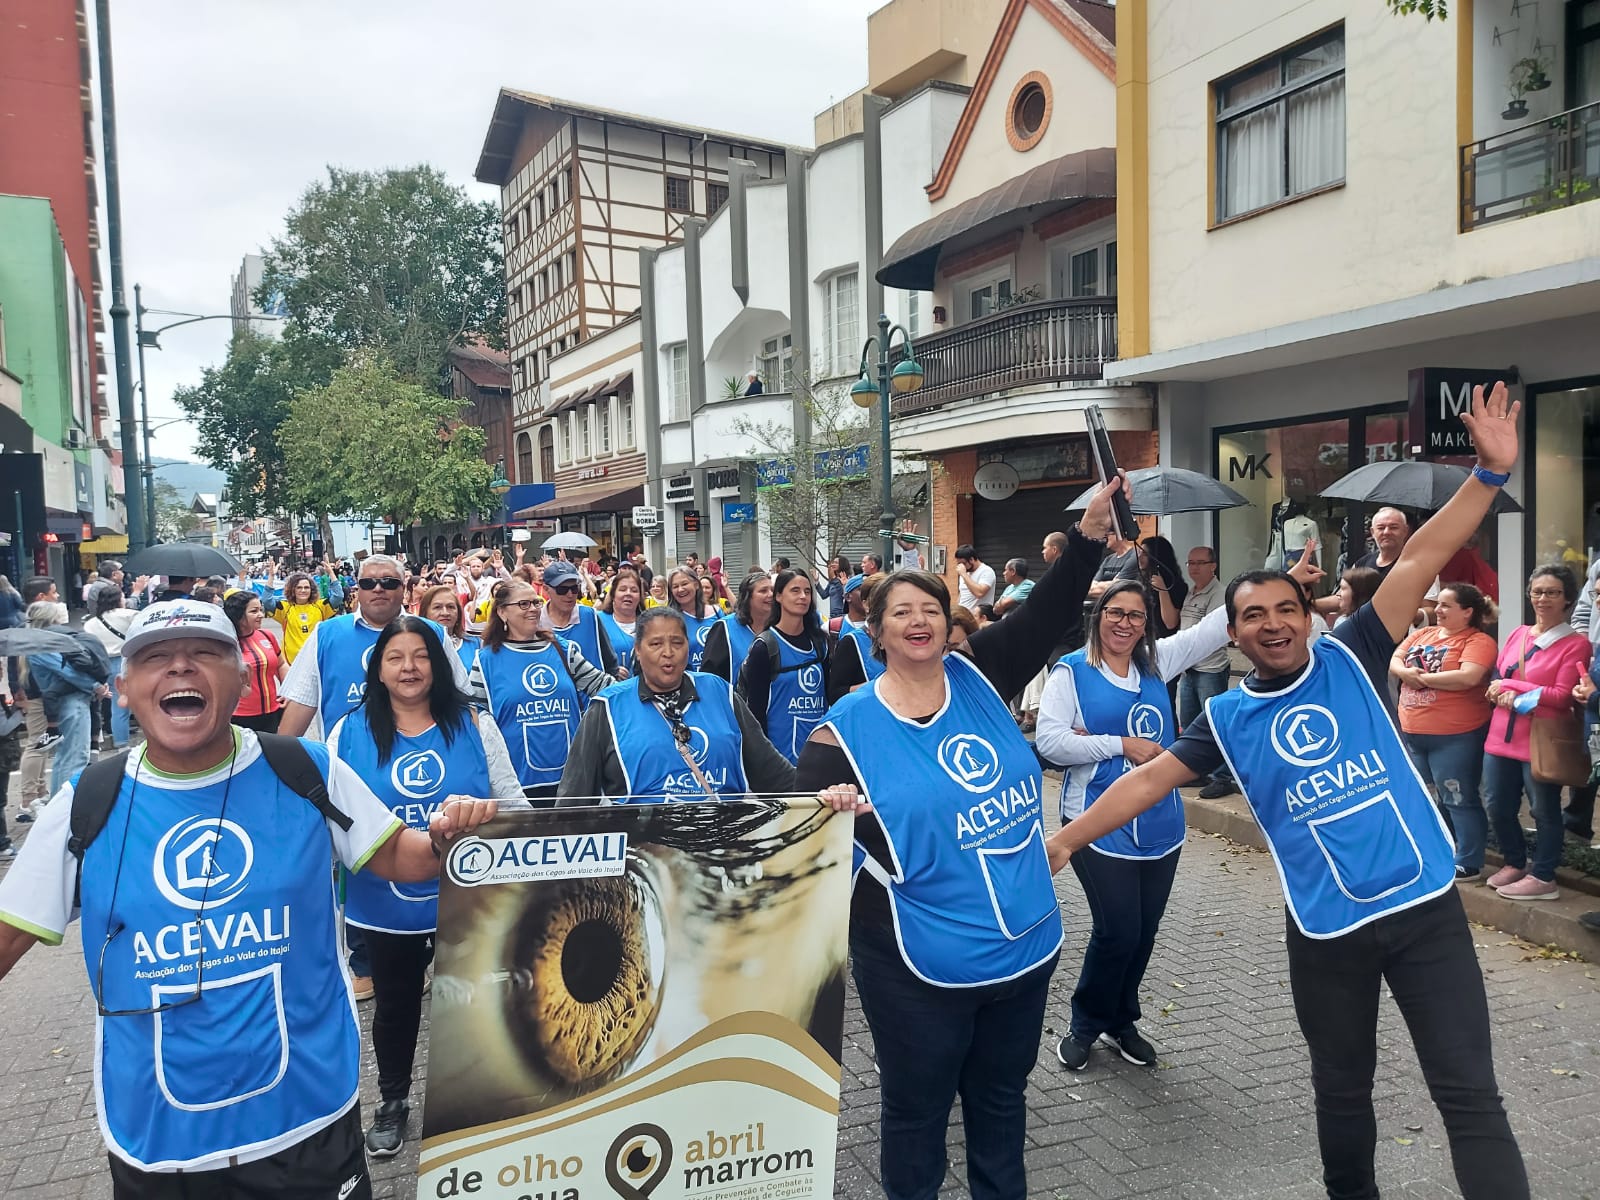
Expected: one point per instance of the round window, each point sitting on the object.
(1028, 112)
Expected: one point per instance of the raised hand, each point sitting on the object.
(1492, 422)
(1097, 521)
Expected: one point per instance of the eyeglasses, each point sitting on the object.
(523, 605)
(388, 583)
(1123, 616)
(179, 1002)
(570, 589)
(1546, 594)
(1201, 562)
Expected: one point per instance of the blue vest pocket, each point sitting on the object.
(1018, 879)
(545, 744)
(228, 1046)
(415, 893)
(1370, 849)
(1159, 826)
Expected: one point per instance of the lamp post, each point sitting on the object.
(902, 378)
(500, 485)
(151, 338)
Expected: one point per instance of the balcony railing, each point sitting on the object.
(1534, 168)
(1052, 341)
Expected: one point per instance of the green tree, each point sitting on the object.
(376, 443)
(1428, 8)
(174, 518)
(400, 262)
(239, 407)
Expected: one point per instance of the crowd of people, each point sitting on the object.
(554, 682)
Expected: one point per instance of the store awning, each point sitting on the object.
(106, 543)
(913, 261)
(599, 498)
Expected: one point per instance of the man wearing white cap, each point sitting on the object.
(228, 1049)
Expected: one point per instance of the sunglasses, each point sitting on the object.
(187, 997)
(570, 589)
(388, 583)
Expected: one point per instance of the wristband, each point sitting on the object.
(1491, 478)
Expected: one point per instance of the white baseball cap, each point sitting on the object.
(178, 619)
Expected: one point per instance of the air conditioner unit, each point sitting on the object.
(75, 440)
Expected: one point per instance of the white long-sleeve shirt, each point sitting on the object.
(1057, 737)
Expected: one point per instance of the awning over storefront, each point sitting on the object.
(106, 543)
(913, 260)
(602, 497)
(605, 387)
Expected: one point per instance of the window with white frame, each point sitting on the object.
(565, 422)
(1083, 268)
(777, 364)
(839, 320)
(981, 295)
(677, 375)
(625, 404)
(569, 263)
(914, 314)
(602, 416)
(1280, 126)
(585, 426)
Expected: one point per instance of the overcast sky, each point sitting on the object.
(227, 110)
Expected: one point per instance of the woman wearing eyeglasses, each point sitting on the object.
(1106, 710)
(1539, 665)
(416, 742)
(730, 639)
(535, 686)
(699, 617)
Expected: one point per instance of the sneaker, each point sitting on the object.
(7, 852)
(388, 1128)
(1531, 887)
(1132, 1047)
(46, 739)
(1218, 788)
(362, 984)
(1590, 920)
(1072, 1054)
(1504, 876)
(24, 816)
(1468, 875)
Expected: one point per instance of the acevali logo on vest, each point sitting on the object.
(203, 862)
(418, 774)
(701, 634)
(539, 679)
(810, 679)
(1306, 735)
(971, 761)
(1146, 721)
(203, 865)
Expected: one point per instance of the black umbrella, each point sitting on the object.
(187, 560)
(1427, 486)
(36, 641)
(1162, 491)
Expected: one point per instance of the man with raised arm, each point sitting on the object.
(1365, 861)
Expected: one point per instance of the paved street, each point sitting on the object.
(1227, 1114)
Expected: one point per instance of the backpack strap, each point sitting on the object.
(93, 797)
(819, 648)
(294, 766)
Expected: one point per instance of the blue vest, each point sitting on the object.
(344, 645)
(1105, 708)
(740, 638)
(651, 763)
(621, 642)
(1349, 822)
(422, 772)
(467, 652)
(536, 705)
(273, 1045)
(861, 640)
(699, 630)
(585, 631)
(797, 699)
(958, 800)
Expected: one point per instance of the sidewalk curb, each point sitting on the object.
(1547, 923)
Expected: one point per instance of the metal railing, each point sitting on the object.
(1534, 168)
(1048, 341)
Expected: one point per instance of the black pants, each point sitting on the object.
(261, 723)
(935, 1042)
(399, 965)
(319, 1168)
(1425, 955)
(1127, 898)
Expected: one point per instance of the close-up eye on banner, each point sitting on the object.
(640, 1001)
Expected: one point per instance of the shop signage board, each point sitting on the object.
(646, 516)
(680, 487)
(691, 520)
(696, 1053)
(996, 481)
(738, 514)
(1438, 396)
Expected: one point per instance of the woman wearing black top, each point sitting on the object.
(730, 639)
(793, 698)
(952, 1011)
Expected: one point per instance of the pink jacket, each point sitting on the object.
(1556, 668)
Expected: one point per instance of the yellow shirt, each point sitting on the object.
(298, 620)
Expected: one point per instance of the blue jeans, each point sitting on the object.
(119, 715)
(1194, 689)
(1504, 782)
(1127, 898)
(72, 752)
(1452, 765)
(932, 1043)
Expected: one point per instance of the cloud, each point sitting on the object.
(227, 109)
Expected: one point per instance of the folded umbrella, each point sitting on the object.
(1163, 491)
(1425, 486)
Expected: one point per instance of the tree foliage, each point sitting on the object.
(1429, 9)
(175, 520)
(239, 408)
(399, 262)
(819, 512)
(376, 443)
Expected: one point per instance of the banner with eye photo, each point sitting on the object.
(639, 1001)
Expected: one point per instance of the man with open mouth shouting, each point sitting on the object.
(229, 1051)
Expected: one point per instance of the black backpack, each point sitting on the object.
(96, 792)
(819, 647)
